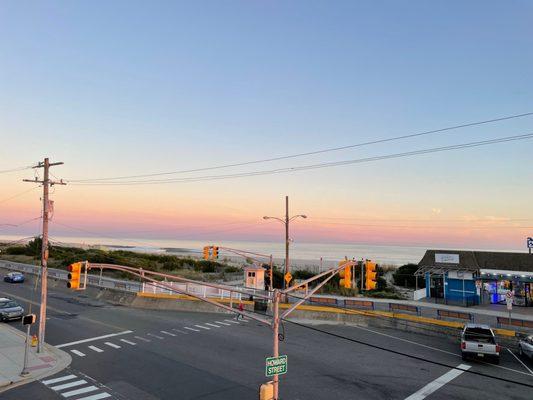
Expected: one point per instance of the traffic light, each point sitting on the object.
(206, 252)
(215, 252)
(370, 275)
(74, 275)
(346, 275)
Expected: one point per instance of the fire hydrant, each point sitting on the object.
(34, 341)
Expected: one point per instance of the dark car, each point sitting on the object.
(14, 277)
(10, 309)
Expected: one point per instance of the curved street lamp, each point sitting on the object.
(286, 222)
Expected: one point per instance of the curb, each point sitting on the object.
(367, 313)
(63, 361)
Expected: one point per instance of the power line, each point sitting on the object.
(384, 140)
(18, 194)
(400, 353)
(21, 223)
(5, 171)
(318, 165)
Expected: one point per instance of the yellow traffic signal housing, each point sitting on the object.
(215, 252)
(370, 275)
(346, 275)
(74, 275)
(206, 252)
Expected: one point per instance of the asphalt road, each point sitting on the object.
(183, 355)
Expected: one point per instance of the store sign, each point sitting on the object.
(530, 243)
(447, 258)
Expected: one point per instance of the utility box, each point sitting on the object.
(254, 277)
(266, 391)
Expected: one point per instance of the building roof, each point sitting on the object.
(476, 260)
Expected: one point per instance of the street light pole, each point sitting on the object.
(286, 238)
(286, 221)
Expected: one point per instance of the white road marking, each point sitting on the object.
(69, 385)
(520, 361)
(232, 321)
(113, 345)
(191, 329)
(167, 333)
(143, 339)
(96, 396)
(60, 379)
(128, 342)
(151, 334)
(222, 323)
(437, 349)
(177, 330)
(213, 325)
(203, 327)
(439, 382)
(78, 353)
(245, 320)
(94, 348)
(79, 391)
(93, 339)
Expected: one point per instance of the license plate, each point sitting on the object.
(480, 355)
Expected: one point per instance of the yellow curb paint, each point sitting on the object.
(368, 313)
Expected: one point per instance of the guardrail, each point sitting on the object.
(515, 322)
(455, 315)
(364, 304)
(404, 307)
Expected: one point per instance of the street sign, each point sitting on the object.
(29, 319)
(276, 366)
(530, 243)
(288, 277)
(509, 300)
(478, 284)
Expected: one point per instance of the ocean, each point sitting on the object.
(301, 254)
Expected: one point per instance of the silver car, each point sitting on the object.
(10, 309)
(525, 346)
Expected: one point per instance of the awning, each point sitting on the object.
(492, 274)
(442, 269)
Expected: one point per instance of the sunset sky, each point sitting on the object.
(125, 88)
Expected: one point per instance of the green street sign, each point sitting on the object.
(276, 366)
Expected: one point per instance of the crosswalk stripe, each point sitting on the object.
(177, 330)
(245, 320)
(229, 320)
(115, 346)
(60, 379)
(213, 325)
(143, 339)
(222, 323)
(68, 385)
(79, 391)
(94, 348)
(78, 353)
(128, 342)
(191, 329)
(167, 333)
(151, 334)
(203, 327)
(96, 396)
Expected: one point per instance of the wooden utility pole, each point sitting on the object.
(46, 182)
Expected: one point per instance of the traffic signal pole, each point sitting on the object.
(46, 182)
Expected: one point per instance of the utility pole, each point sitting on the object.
(286, 222)
(46, 182)
(286, 238)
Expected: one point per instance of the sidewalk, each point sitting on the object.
(12, 343)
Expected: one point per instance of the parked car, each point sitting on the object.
(10, 309)
(479, 341)
(14, 277)
(525, 346)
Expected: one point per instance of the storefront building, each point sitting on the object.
(476, 277)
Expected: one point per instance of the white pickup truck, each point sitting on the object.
(479, 341)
